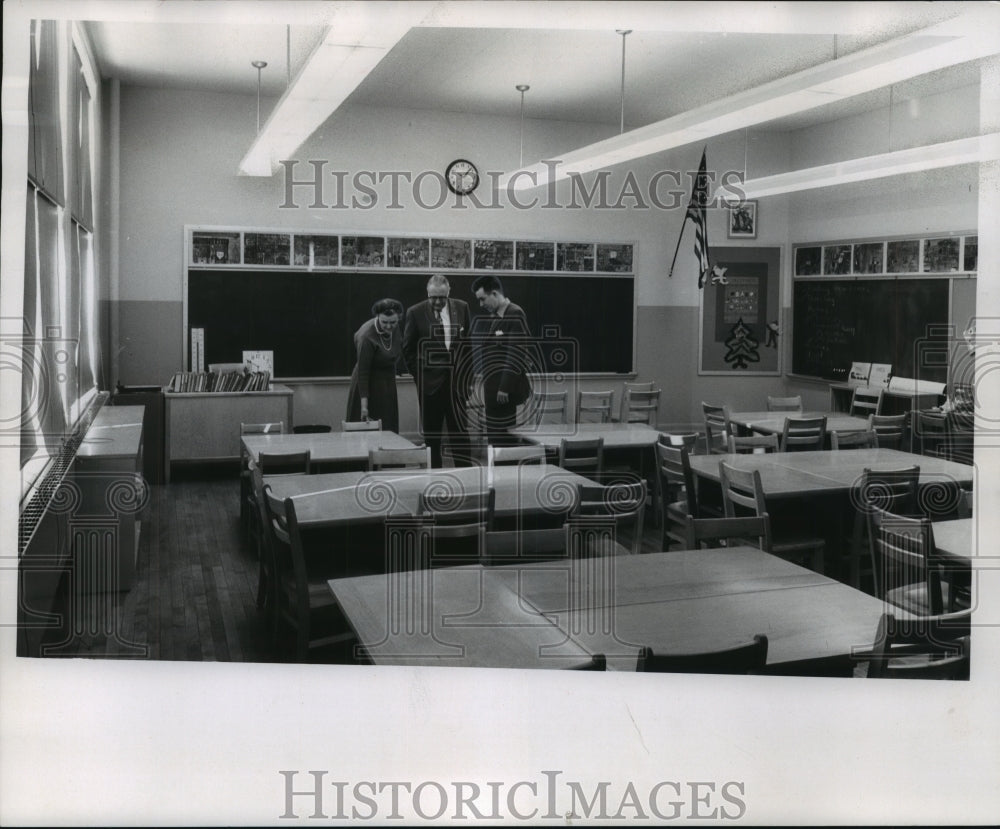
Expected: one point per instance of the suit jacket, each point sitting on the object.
(427, 358)
(506, 356)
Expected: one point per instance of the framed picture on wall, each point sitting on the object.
(742, 221)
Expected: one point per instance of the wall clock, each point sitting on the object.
(462, 177)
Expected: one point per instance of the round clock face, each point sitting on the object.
(462, 176)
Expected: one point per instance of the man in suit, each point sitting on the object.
(505, 359)
(436, 349)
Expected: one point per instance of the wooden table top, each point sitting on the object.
(462, 617)
(802, 473)
(338, 498)
(954, 539)
(774, 422)
(616, 435)
(116, 432)
(327, 447)
(677, 601)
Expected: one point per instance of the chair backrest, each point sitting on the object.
(673, 468)
(550, 406)
(285, 463)
(277, 428)
(742, 491)
(626, 389)
(889, 430)
(893, 490)
(641, 407)
(620, 506)
(594, 404)
(852, 440)
(523, 545)
(742, 659)
(784, 404)
(460, 522)
(282, 531)
(748, 444)
(418, 457)
(803, 433)
(689, 440)
(734, 531)
(905, 546)
(932, 430)
(361, 425)
(717, 426)
(931, 647)
(514, 455)
(866, 401)
(584, 456)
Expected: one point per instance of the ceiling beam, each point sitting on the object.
(948, 44)
(359, 36)
(972, 150)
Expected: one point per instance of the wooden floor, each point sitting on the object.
(194, 597)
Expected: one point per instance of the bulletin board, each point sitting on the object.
(740, 313)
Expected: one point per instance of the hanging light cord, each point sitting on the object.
(258, 65)
(624, 33)
(522, 88)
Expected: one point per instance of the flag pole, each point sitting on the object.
(670, 273)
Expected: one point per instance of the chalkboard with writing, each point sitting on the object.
(837, 322)
(308, 319)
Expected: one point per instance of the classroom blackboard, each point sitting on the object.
(308, 319)
(837, 322)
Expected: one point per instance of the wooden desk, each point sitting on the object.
(773, 423)
(461, 617)
(807, 473)
(339, 498)
(681, 602)
(330, 447)
(616, 435)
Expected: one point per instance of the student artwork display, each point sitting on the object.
(739, 325)
(949, 253)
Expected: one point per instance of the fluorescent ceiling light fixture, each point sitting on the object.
(947, 44)
(360, 35)
(917, 159)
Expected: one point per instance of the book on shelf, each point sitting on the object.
(222, 381)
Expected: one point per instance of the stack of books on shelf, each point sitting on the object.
(227, 381)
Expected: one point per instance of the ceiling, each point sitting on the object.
(468, 57)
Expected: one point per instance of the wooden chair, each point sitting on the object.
(641, 407)
(743, 494)
(514, 455)
(717, 428)
(631, 387)
(361, 425)
(747, 445)
(457, 523)
(549, 406)
(742, 659)
(733, 531)
(932, 433)
(312, 429)
(866, 401)
(261, 537)
(417, 458)
(931, 647)
(591, 404)
(285, 463)
(247, 507)
(674, 494)
(894, 490)
(784, 404)
(909, 576)
(303, 601)
(585, 456)
(852, 440)
(607, 516)
(889, 430)
(803, 434)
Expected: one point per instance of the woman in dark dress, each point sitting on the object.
(378, 343)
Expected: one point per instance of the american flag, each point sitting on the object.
(696, 213)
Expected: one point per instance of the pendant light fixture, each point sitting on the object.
(522, 88)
